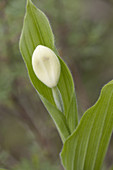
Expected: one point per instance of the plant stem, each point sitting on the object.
(58, 98)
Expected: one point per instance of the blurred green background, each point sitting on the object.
(84, 37)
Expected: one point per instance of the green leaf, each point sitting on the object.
(37, 31)
(86, 147)
(66, 87)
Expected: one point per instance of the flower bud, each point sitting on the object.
(46, 65)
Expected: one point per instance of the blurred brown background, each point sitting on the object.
(84, 37)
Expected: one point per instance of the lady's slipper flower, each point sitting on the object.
(46, 65)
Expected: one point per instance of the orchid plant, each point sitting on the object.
(85, 142)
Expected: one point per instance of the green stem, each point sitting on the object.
(58, 98)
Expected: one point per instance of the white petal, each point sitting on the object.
(46, 65)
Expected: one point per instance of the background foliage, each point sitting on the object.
(84, 36)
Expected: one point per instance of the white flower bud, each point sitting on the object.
(46, 65)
